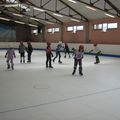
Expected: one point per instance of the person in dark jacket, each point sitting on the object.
(22, 50)
(29, 50)
(49, 54)
(66, 50)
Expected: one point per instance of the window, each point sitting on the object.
(56, 29)
(50, 30)
(98, 26)
(104, 27)
(75, 28)
(79, 28)
(112, 25)
(70, 28)
(34, 31)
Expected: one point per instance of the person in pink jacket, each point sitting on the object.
(10, 54)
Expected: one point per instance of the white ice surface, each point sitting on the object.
(32, 92)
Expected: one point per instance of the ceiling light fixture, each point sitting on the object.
(75, 20)
(32, 18)
(57, 15)
(17, 14)
(39, 9)
(49, 22)
(19, 22)
(72, 1)
(32, 25)
(91, 8)
(6, 19)
(11, 5)
(109, 15)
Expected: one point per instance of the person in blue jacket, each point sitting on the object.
(58, 50)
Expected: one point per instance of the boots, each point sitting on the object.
(12, 67)
(97, 60)
(74, 71)
(8, 66)
(80, 71)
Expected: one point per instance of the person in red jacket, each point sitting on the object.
(49, 54)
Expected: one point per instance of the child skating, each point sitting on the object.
(78, 59)
(10, 54)
(97, 52)
(66, 50)
(22, 50)
(58, 50)
(48, 56)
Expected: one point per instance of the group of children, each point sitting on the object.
(10, 54)
(76, 53)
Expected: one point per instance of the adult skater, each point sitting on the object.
(22, 50)
(97, 53)
(49, 55)
(78, 59)
(10, 54)
(66, 50)
(29, 50)
(58, 50)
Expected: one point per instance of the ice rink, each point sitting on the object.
(34, 92)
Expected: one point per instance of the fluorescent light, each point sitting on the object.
(49, 22)
(17, 14)
(11, 5)
(12, 1)
(57, 15)
(19, 22)
(4, 19)
(75, 20)
(72, 1)
(32, 25)
(109, 15)
(35, 8)
(91, 8)
(34, 19)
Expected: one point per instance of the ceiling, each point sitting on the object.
(58, 11)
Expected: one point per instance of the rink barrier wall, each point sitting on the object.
(107, 50)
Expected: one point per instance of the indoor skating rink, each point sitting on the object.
(34, 92)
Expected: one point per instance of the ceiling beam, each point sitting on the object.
(104, 10)
(54, 17)
(74, 10)
(20, 12)
(48, 10)
(46, 3)
(113, 6)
